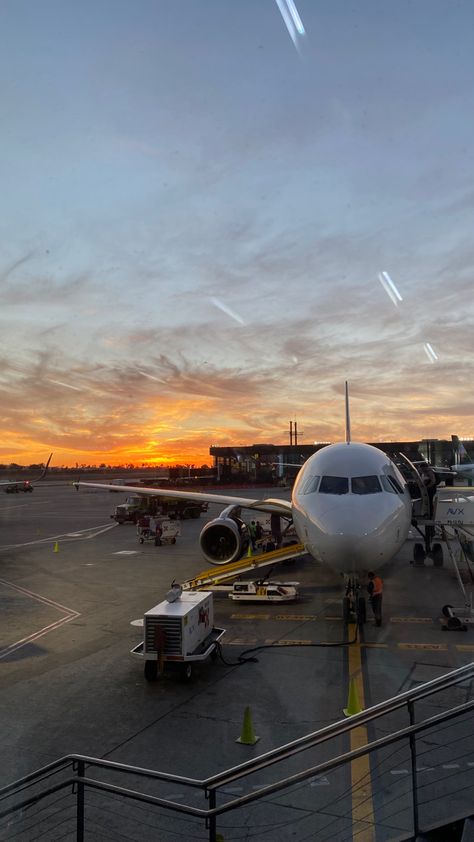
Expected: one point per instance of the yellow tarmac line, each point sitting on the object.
(431, 647)
(465, 647)
(363, 829)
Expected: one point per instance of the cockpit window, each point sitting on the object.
(391, 484)
(311, 485)
(365, 485)
(334, 485)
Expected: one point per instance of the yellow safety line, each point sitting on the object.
(363, 828)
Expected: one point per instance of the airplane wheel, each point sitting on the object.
(151, 670)
(361, 610)
(419, 554)
(437, 554)
(346, 610)
(141, 540)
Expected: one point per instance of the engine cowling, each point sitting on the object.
(224, 539)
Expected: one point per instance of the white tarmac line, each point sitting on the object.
(69, 615)
(94, 530)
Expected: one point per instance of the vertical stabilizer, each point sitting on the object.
(460, 453)
(348, 417)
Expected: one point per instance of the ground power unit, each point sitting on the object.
(178, 633)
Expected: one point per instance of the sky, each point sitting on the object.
(196, 210)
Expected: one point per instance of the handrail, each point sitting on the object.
(271, 757)
(342, 726)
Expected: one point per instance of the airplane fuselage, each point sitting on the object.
(464, 470)
(351, 507)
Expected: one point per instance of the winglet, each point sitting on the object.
(45, 469)
(348, 417)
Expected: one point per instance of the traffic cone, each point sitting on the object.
(56, 547)
(249, 551)
(247, 737)
(353, 705)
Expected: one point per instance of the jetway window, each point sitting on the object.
(334, 485)
(391, 484)
(365, 485)
(311, 485)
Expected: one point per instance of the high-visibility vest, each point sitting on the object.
(378, 586)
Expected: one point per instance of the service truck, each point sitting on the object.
(139, 504)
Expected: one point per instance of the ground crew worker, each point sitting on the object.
(253, 533)
(375, 589)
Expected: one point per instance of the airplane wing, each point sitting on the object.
(271, 506)
(21, 482)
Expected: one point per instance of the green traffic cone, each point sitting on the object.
(353, 705)
(56, 547)
(247, 737)
(249, 551)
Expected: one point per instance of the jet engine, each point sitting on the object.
(224, 539)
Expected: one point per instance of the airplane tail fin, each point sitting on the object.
(45, 469)
(460, 452)
(348, 416)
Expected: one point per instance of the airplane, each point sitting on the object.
(14, 486)
(351, 508)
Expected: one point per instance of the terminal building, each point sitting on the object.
(279, 463)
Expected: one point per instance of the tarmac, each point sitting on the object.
(71, 583)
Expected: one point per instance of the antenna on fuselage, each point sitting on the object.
(348, 417)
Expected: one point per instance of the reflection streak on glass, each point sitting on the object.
(292, 19)
(225, 309)
(390, 288)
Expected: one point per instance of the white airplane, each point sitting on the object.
(351, 509)
(14, 486)
(463, 468)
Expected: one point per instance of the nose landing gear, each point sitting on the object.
(353, 604)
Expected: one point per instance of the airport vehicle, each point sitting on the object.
(264, 591)
(167, 533)
(154, 504)
(178, 633)
(15, 486)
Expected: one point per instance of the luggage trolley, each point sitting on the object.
(167, 532)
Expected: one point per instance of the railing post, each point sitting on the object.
(212, 821)
(414, 777)
(80, 802)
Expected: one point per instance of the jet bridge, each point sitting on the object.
(216, 575)
(454, 516)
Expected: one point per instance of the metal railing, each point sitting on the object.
(68, 797)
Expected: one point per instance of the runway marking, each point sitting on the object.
(303, 618)
(126, 552)
(432, 647)
(93, 530)
(465, 647)
(288, 642)
(361, 781)
(250, 616)
(450, 766)
(399, 771)
(374, 645)
(69, 615)
(411, 619)
(25, 505)
(241, 641)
